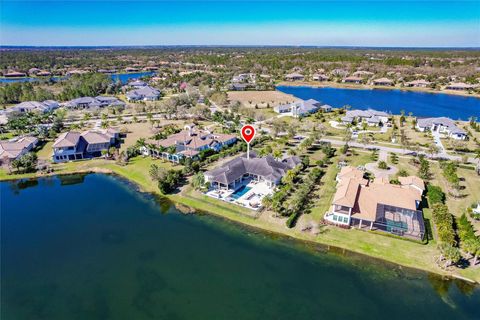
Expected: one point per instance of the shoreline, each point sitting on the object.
(182, 203)
(337, 85)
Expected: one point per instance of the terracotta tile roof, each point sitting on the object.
(355, 192)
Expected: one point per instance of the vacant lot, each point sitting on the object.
(262, 99)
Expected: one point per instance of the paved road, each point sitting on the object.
(390, 149)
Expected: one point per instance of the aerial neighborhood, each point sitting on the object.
(319, 162)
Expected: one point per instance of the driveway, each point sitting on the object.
(438, 143)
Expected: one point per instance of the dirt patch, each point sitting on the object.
(262, 99)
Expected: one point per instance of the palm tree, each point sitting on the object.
(472, 247)
(450, 254)
(277, 154)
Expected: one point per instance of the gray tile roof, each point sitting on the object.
(143, 92)
(267, 167)
(443, 121)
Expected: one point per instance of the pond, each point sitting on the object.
(92, 247)
(122, 77)
(421, 104)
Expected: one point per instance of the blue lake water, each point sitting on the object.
(123, 77)
(91, 247)
(419, 103)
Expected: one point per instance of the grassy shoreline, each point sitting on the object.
(398, 251)
(327, 84)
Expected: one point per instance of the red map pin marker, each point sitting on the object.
(248, 133)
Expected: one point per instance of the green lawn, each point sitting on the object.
(45, 153)
(326, 192)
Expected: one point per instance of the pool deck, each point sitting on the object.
(252, 199)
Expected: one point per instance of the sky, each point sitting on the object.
(405, 23)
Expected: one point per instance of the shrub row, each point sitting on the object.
(444, 222)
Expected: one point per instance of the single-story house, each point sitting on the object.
(137, 83)
(459, 86)
(91, 102)
(378, 205)
(13, 149)
(239, 86)
(31, 106)
(145, 93)
(441, 125)
(267, 169)
(15, 74)
(73, 145)
(319, 77)
(370, 116)
(353, 79)
(418, 83)
(294, 77)
(383, 82)
(326, 108)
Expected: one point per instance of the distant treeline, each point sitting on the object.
(269, 57)
(92, 84)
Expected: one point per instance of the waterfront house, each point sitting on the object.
(145, 93)
(33, 71)
(383, 82)
(187, 143)
(371, 117)
(441, 125)
(73, 145)
(14, 74)
(294, 77)
(91, 102)
(131, 69)
(13, 149)
(319, 77)
(326, 108)
(459, 86)
(418, 83)
(353, 79)
(299, 108)
(233, 174)
(378, 205)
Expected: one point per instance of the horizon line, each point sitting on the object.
(241, 46)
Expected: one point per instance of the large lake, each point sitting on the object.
(122, 77)
(419, 103)
(90, 247)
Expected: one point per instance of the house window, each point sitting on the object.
(334, 217)
(345, 219)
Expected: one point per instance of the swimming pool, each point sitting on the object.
(240, 192)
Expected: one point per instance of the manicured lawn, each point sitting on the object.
(326, 192)
(136, 170)
(45, 153)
